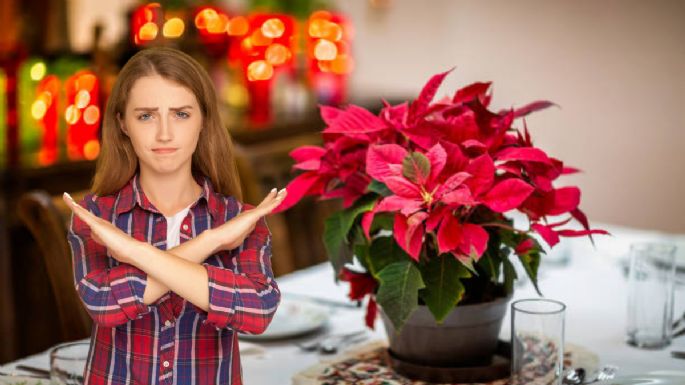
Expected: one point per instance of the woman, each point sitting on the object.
(167, 260)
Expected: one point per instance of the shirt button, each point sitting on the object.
(185, 227)
(166, 364)
(167, 323)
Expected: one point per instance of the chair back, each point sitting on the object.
(47, 219)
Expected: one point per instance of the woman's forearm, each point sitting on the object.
(196, 250)
(185, 278)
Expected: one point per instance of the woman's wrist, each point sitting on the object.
(211, 239)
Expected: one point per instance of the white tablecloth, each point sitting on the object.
(592, 285)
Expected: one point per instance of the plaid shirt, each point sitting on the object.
(171, 341)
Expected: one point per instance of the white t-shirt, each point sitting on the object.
(173, 228)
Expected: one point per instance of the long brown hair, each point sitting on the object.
(213, 156)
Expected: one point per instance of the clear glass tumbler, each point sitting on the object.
(537, 341)
(68, 363)
(651, 281)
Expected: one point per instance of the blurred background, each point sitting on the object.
(615, 68)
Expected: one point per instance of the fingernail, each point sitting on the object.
(282, 191)
(68, 196)
(273, 189)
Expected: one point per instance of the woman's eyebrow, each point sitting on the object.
(186, 107)
(149, 109)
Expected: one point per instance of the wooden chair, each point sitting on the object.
(47, 219)
(297, 232)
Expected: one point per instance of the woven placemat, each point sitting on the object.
(369, 364)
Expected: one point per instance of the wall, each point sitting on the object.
(616, 68)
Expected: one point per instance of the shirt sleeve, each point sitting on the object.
(112, 295)
(246, 296)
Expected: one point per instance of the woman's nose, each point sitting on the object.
(164, 130)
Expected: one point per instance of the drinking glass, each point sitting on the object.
(651, 281)
(537, 341)
(68, 362)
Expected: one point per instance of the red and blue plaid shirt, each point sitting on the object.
(171, 341)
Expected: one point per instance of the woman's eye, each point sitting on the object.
(182, 115)
(144, 116)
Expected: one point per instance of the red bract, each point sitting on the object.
(446, 170)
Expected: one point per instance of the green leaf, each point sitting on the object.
(361, 251)
(334, 238)
(443, 286)
(531, 262)
(337, 228)
(490, 264)
(384, 251)
(382, 221)
(379, 188)
(416, 167)
(509, 276)
(398, 293)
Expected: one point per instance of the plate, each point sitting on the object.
(670, 377)
(293, 318)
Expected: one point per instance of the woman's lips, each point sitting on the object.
(163, 150)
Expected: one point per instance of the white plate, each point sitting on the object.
(293, 318)
(670, 377)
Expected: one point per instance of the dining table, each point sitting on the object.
(590, 278)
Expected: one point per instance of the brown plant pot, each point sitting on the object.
(467, 337)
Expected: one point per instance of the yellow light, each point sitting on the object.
(324, 65)
(237, 26)
(273, 28)
(148, 31)
(316, 27)
(38, 71)
(217, 24)
(82, 99)
(342, 64)
(46, 97)
(259, 70)
(173, 28)
(204, 17)
(85, 82)
(325, 50)
(91, 149)
(247, 46)
(91, 115)
(236, 94)
(331, 31)
(277, 54)
(320, 15)
(38, 109)
(258, 39)
(72, 114)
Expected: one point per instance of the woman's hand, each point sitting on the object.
(233, 233)
(119, 244)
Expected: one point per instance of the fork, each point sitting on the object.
(606, 372)
(316, 344)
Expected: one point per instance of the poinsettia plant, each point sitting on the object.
(426, 187)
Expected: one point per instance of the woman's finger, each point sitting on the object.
(273, 201)
(79, 210)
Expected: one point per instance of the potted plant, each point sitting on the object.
(426, 187)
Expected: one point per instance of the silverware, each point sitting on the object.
(679, 333)
(574, 376)
(44, 373)
(15, 374)
(677, 322)
(329, 347)
(316, 344)
(578, 376)
(606, 373)
(324, 301)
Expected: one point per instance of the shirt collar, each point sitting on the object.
(132, 194)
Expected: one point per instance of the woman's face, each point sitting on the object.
(163, 121)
